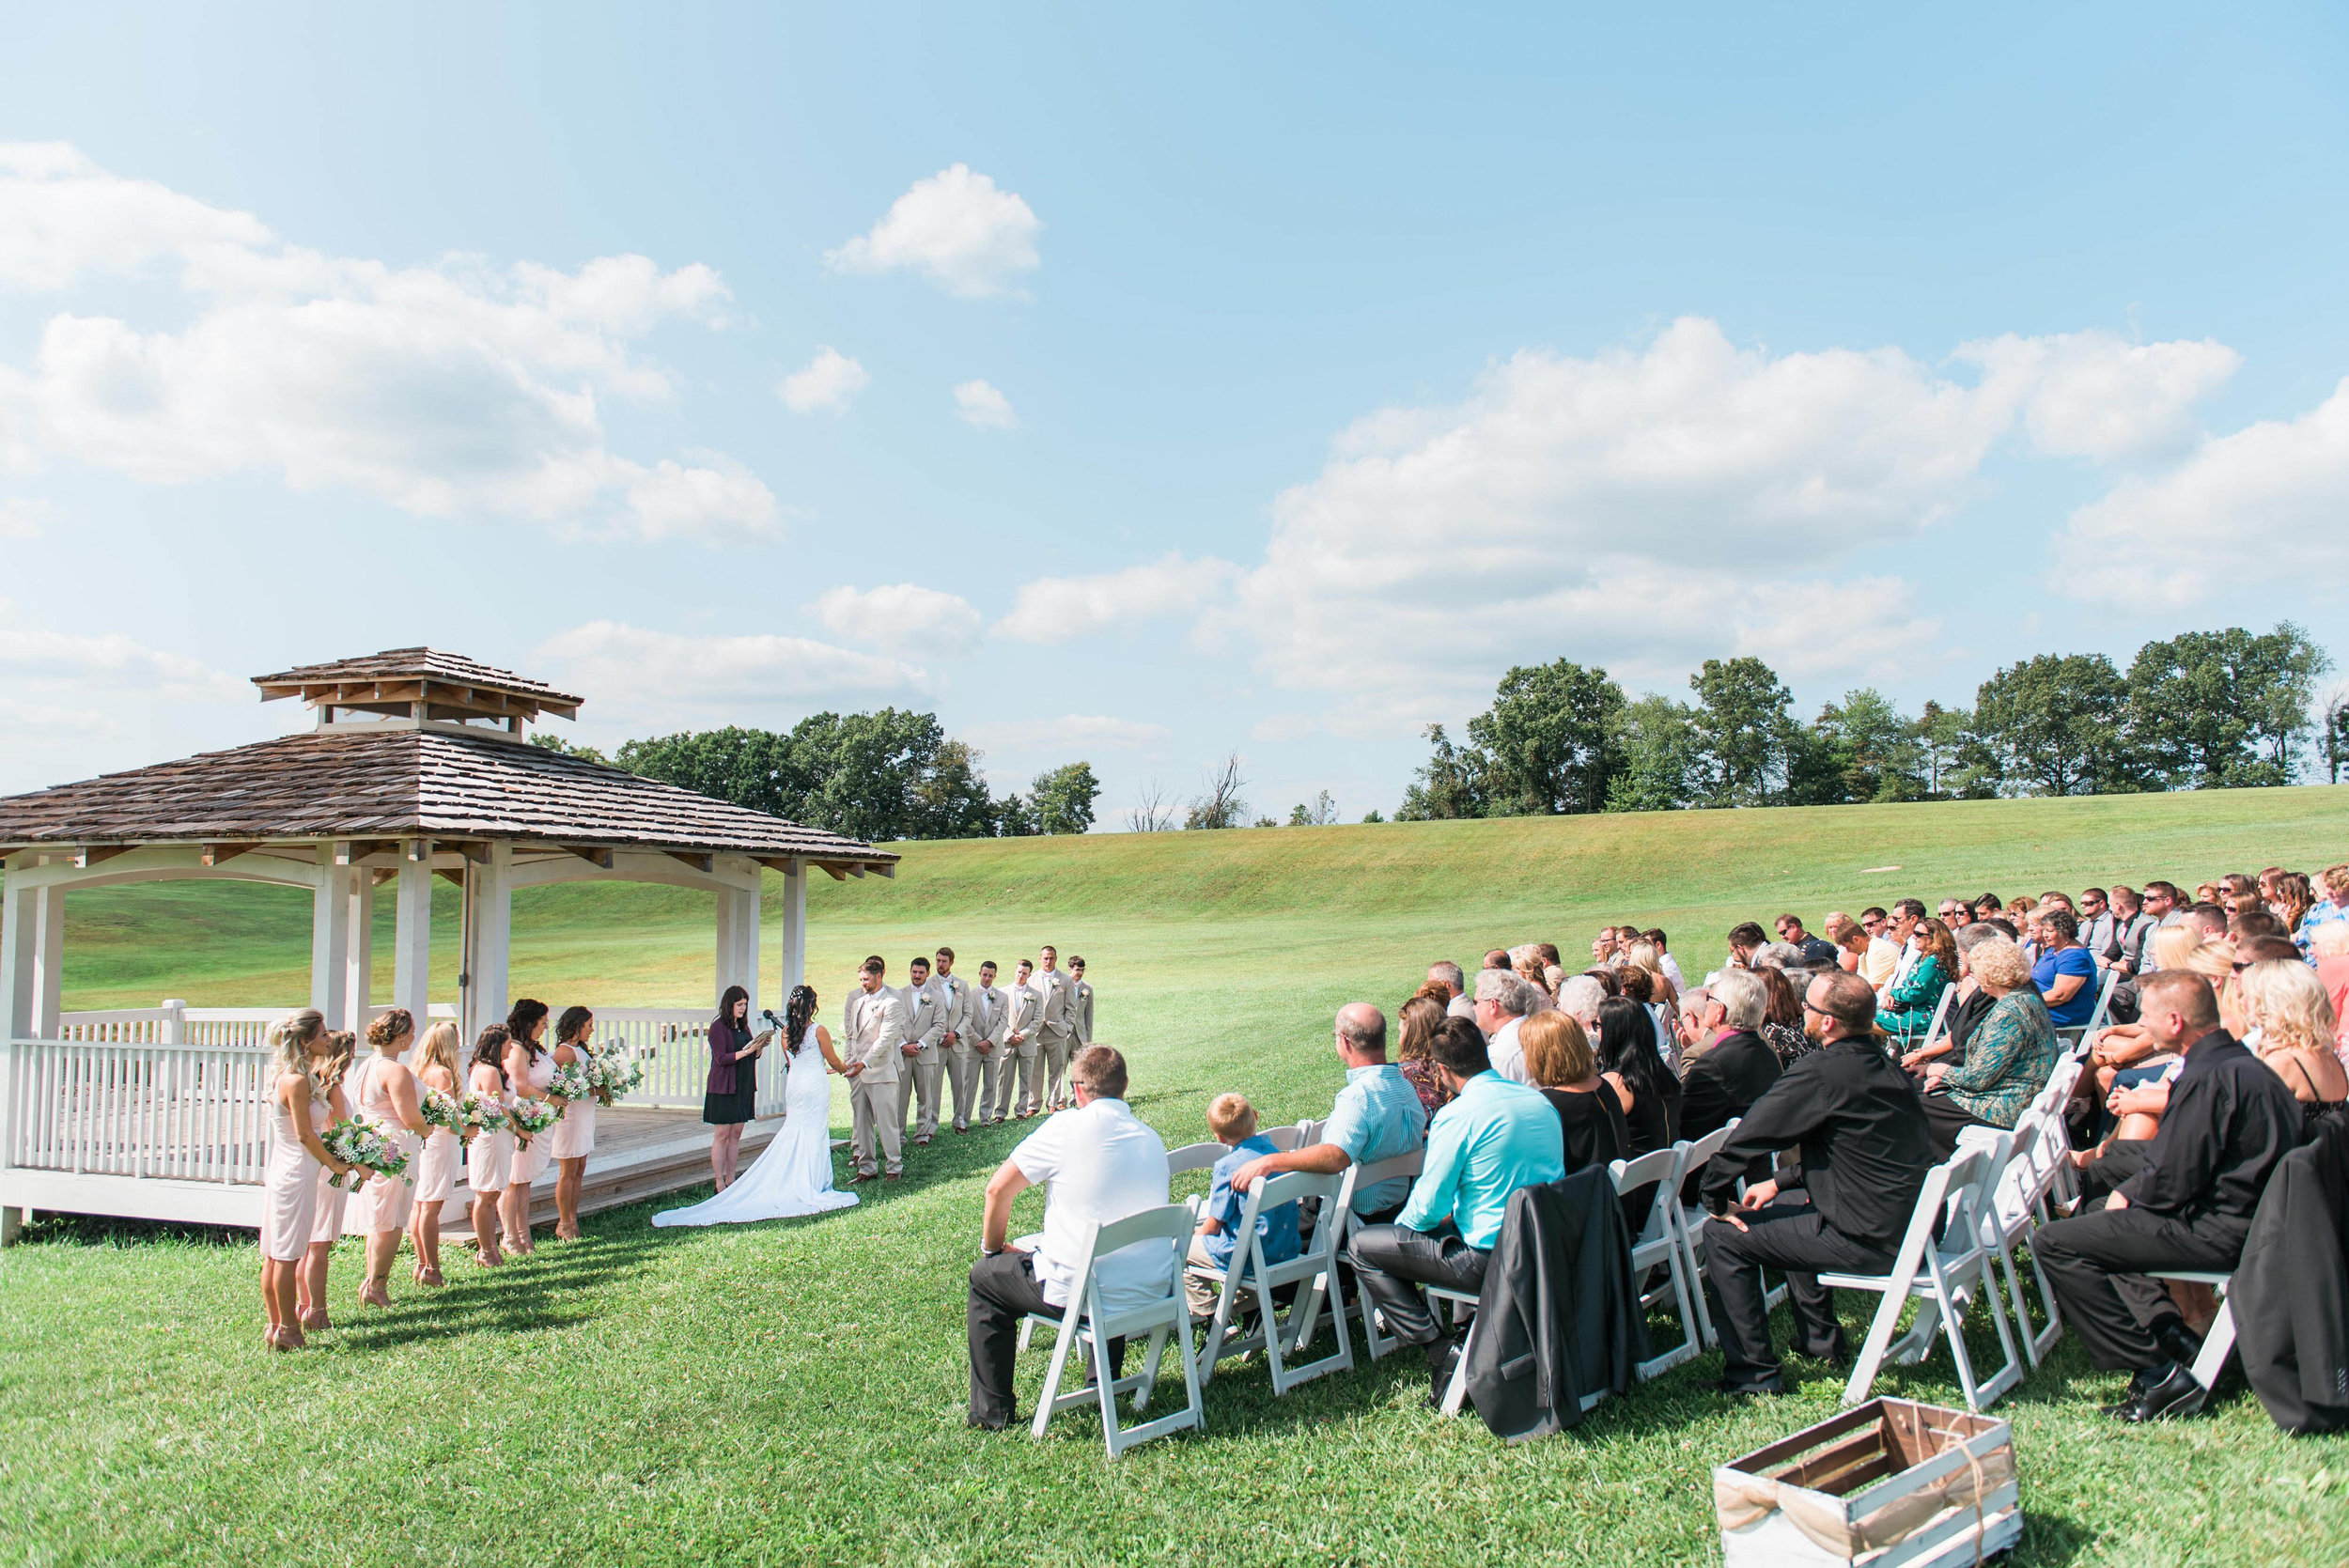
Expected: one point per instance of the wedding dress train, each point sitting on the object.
(793, 1174)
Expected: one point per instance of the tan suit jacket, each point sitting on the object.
(1059, 998)
(957, 996)
(873, 1027)
(1080, 1016)
(987, 1019)
(926, 1018)
(1023, 1010)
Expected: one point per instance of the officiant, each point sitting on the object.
(730, 1096)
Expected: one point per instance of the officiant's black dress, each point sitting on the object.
(731, 1094)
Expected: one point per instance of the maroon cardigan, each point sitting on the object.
(723, 1042)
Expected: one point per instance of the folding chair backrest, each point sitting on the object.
(2104, 1002)
(1284, 1139)
(1940, 1017)
(1657, 1168)
(1966, 1196)
(1701, 1153)
(1193, 1156)
(1171, 1223)
(1309, 1132)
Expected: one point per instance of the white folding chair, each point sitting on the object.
(1374, 1343)
(1947, 1275)
(2219, 1342)
(2018, 1201)
(2078, 1034)
(1285, 1138)
(1690, 1218)
(1166, 1316)
(1659, 1242)
(1281, 1338)
(1940, 1024)
(1461, 1303)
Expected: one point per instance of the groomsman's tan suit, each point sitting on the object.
(1055, 1029)
(1081, 1014)
(873, 1032)
(971, 1071)
(925, 1066)
(1023, 1010)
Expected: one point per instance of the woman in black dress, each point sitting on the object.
(1558, 1058)
(730, 1098)
(1630, 1061)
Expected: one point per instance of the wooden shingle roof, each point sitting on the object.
(408, 783)
(449, 685)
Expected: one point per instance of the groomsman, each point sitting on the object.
(1055, 1033)
(1023, 1011)
(1083, 1016)
(970, 1059)
(873, 1035)
(925, 1029)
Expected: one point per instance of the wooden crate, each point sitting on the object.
(1889, 1485)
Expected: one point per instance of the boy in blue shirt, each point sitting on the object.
(1233, 1121)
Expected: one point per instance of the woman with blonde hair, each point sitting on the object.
(436, 1067)
(326, 1226)
(387, 1097)
(1645, 955)
(2009, 1056)
(1558, 1060)
(2292, 1030)
(298, 1043)
(489, 1158)
(574, 1137)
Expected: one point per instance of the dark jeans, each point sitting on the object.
(1390, 1262)
(1791, 1238)
(1944, 1120)
(2098, 1264)
(1004, 1291)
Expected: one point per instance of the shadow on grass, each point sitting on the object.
(552, 1288)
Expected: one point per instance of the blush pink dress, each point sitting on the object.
(574, 1136)
(436, 1167)
(291, 1190)
(489, 1157)
(383, 1202)
(531, 1163)
(327, 1224)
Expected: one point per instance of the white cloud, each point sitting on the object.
(2096, 395)
(631, 676)
(21, 516)
(72, 703)
(1057, 609)
(826, 384)
(901, 619)
(2262, 505)
(1074, 732)
(954, 228)
(977, 403)
(1648, 507)
(454, 389)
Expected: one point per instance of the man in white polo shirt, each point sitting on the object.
(1100, 1164)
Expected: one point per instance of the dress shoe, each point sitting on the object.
(2178, 1342)
(865, 1176)
(2174, 1393)
(1442, 1356)
(1748, 1391)
(894, 1177)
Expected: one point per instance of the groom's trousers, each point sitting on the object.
(873, 1111)
(1004, 1291)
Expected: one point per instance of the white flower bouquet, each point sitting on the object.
(609, 1078)
(532, 1117)
(482, 1112)
(363, 1143)
(571, 1081)
(441, 1111)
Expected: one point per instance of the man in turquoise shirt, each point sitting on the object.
(1378, 1116)
(1495, 1137)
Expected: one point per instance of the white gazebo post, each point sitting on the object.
(738, 940)
(490, 921)
(794, 925)
(412, 936)
(359, 954)
(19, 924)
(48, 961)
(330, 945)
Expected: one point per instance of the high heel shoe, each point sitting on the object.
(375, 1293)
(286, 1337)
(316, 1318)
(429, 1277)
(488, 1258)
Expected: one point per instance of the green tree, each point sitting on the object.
(556, 744)
(1449, 785)
(1868, 749)
(1939, 734)
(2053, 725)
(873, 776)
(2225, 708)
(1549, 740)
(1656, 737)
(1064, 799)
(1741, 724)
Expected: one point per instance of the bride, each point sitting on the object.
(793, 1174)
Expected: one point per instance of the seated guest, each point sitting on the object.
(1664, 959)
(1495, 1137)
(1881, 957)
(1378, 1116)
(2009, 1056)
(1913, 998)
(1502, 1004)
(2228, 1124)
(1446, 973)
(1233, 1121)
(2125, 1054)
(1605, 980)
(1850, 939)
(1967, 1009)
(1581, 996)
(1557, 1055)
(1855, 1117)
(1745, 940)
(1424, 1017)
(1782, 1015)
(2292, 1027)
(1738, 1067)
(1645, 1087)
(2063, 971)
(2329, 949)
(1816, 954)
(1100, 1164)
(1688, 1033)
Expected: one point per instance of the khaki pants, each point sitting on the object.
(1015, 1081)
(873, 1110)
(1205, 1294)
(1056, 1046)
(918, 1080)
(970, 1080)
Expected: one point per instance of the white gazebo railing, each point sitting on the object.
(146, 1109)
(176, 1023)
(672, 1043)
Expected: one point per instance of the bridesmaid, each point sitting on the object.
(295, 1159)
(530, 1066)
(490, 1160)
(574, 1137)
(387, 1097)
(326, 1228)
(436, 1167)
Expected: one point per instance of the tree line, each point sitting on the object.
(2205, 709)
(878, 777)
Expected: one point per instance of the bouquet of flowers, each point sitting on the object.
(572, 1081)
(361, 1142)
(609, 1077)
(441, 1111)
(532, 1117)
(481, 1113)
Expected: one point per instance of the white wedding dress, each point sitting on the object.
(793, 1174)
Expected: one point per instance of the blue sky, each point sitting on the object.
(1314, 364)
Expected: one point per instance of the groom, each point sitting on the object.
(875, 1037)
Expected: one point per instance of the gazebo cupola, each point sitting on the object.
(419, 688)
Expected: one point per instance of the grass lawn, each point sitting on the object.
(792, 1392)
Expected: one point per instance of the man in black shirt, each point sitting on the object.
(1860, 1127)
(1816, 952)
(2230, 1122)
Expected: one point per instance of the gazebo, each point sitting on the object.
(418, 766)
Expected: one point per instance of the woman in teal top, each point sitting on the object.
(2009, 1056)
(1908, 1005)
